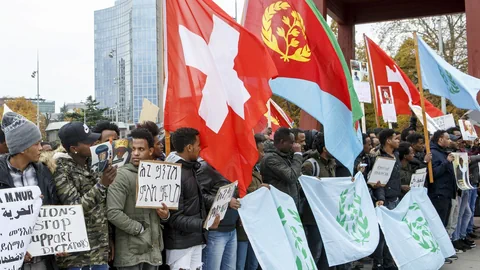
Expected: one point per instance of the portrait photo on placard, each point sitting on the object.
(122, 151)
(101, 155)
(385, 94)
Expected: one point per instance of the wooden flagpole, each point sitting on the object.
(422, 101)
(164, 50)
(269, 104)
(372, 87)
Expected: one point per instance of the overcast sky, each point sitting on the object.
(62, 31)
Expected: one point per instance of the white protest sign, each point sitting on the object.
(423, 170)
(431, 124)
(220, 205)
(460, 168)
(444, 122)
(361, 82)
(467, 129)
(382, 169)
(389, 114)
(158, 182)
(19, 209)
(59, 229)
(418, 180)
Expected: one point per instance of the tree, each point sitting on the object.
(92, 114)
(291, 109)
(27, 109)
(63, 112)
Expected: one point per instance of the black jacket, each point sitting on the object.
(282, 171)
(185, 226)
(44, 178)
(45, 183)
(392, 189)
(444, 184)
(210, 181)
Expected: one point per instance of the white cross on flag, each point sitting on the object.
(217, 76)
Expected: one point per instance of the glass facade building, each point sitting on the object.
(126, 57)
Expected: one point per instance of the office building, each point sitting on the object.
(126, 62)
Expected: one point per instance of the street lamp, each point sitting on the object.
(114, 52)
(36, 74)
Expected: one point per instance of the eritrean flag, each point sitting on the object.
(313, 73)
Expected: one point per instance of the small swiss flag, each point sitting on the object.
(217, 76)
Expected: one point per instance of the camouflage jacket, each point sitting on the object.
(77, 185)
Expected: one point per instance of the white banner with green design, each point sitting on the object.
(414, 232)
(345, 216)
(272, 223)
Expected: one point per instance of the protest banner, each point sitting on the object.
(158, 182)
(381, 171)
(444, 122)
(149, 111)
(414, 233)
(468, 131)
(59, 229)
(19, 208)
(220, 205)
(101, 156)
(460, 168)
(361, 82)
(345, 216)
(275, 230)
(418, 180)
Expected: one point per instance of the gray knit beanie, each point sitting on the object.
(20, 133)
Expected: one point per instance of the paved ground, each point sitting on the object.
(467, 260)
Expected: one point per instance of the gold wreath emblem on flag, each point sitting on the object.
(289, 35)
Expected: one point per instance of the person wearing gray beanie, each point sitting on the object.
(20, 133)
(21, 168)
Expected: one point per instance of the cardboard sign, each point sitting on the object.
(361, 81)
(149, 112)
(101, 156)
(19, 209)
(382, 170)
(468, 131)
(444, 122)
(418, 180)
(158, 182)
(220, 205)
(460, 168)
(59, 229)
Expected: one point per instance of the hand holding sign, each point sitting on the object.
(163, 212)
(223, 200)
(381, 172)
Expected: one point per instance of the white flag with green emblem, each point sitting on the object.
(272, 223)
(414, 232)
(345, 216)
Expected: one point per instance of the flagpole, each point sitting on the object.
(164, 49)
(364, 122)
(269, 104)
(422, 102)
(370, 79)
(244, 13)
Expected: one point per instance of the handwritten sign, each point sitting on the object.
(59, 229)
(220, 205)
(444, 122)
(468, 131)
(158, 182)
(19, 209)
(382, 170)
(418, 180)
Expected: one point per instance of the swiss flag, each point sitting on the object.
(217, 77)
(385, 72)
(278, 118)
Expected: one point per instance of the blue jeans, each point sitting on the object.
(246, 259)
(221, 251)
(464, 216)
(473, 201)
(91, 267)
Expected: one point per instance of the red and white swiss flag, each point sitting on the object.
(217, 77)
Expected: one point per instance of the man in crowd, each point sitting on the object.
(46, 147)
(281, 170)
(158, 153)
(319, 163)
(139, 237)
(300, 137)
(77, 185)
(21, 168)
(221, 249)
(387, 195)
(107, 131)
(417, 142)
(184, 234)
(443, 189)
(3, 143)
